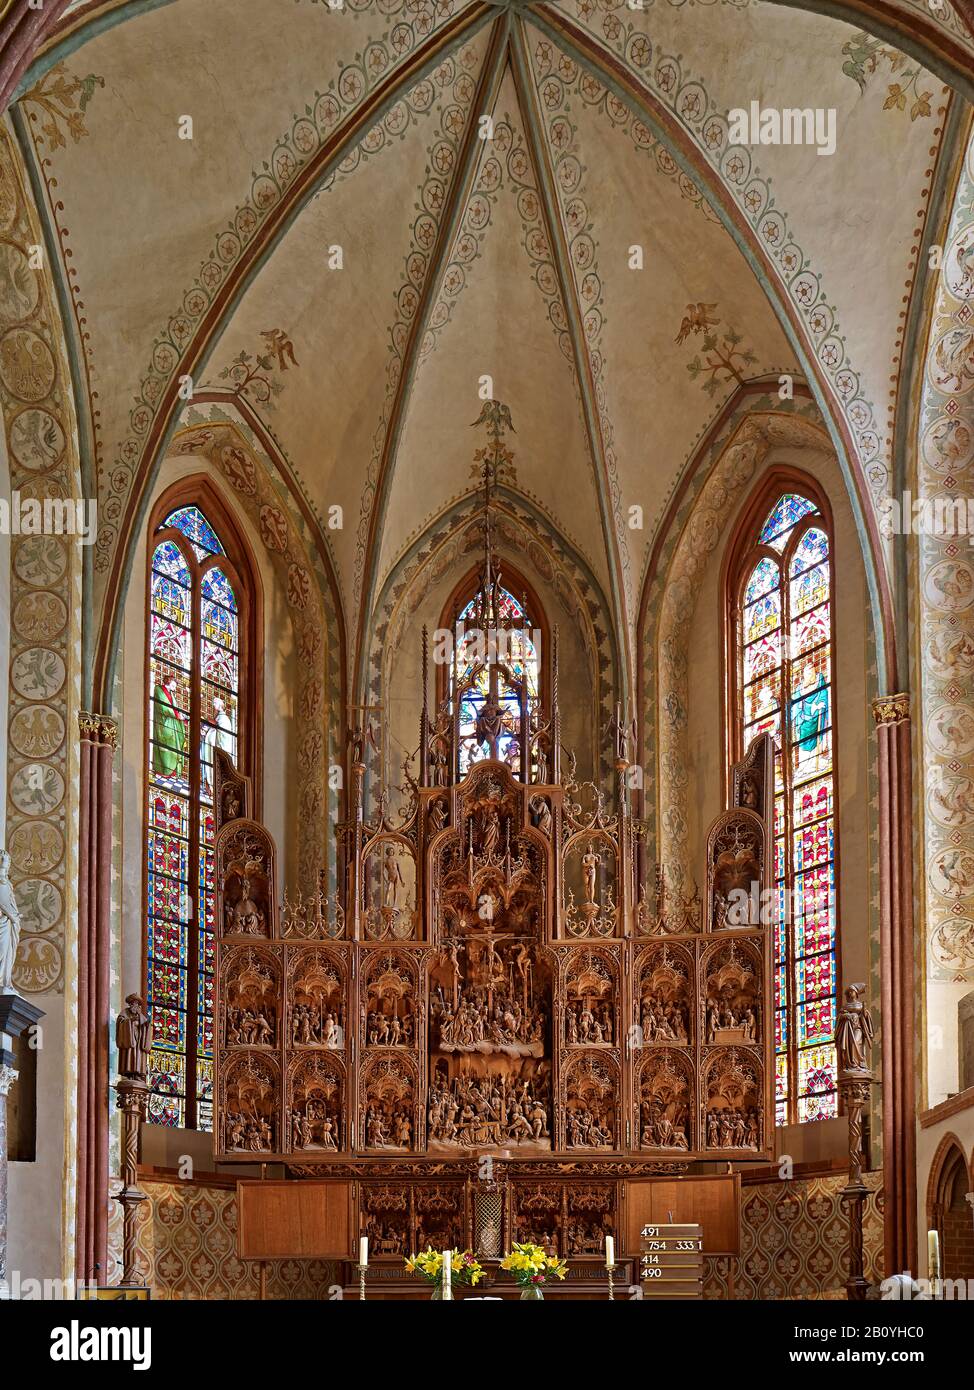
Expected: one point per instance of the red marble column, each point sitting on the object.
(898, 982)
(98, 734)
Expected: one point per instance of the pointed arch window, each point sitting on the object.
(499, 651)
(783, 681)
(200, 605)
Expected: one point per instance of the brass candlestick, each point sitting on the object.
(362, 1271)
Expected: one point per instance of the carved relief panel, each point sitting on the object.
(666, 1091)
(317, 998)
(734, 1099)
(250, 997)
(316, 1085)
(733, 992)
(665, 995)
(737, 867)
(590, 1011)
(388, 1103)
(407, 1216)
(592, 1101)
(246, 883)
(537, 1215)
(569, 1220)
(389, 995)
(251, 1103)
(589, 1217)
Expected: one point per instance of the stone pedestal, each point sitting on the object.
(133, 1094)
(854, 1089)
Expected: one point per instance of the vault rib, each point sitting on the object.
(491, 75)
(419, 65)
(537, 146)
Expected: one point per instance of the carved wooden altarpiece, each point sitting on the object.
(494, 1026)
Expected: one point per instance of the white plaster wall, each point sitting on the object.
(36, 1190)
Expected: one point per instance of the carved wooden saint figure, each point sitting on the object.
(854, 1031)
(392, 875)
(133, 1038)
(243, 916)
(541, 814)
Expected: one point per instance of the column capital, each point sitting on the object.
(891, 709)
(8, 1075)
(98, 728)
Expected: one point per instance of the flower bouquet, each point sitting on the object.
(532, 1268)
(464, 1269)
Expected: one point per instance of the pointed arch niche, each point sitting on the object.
(164, 954)
(203, 692)
(696, 682)
(780, 658)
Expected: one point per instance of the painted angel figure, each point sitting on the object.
(854, 1031)
(9, 925)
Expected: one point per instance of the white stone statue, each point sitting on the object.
(9, 925)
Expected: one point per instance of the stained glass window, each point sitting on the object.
(494, 666)
(193, 707)
(785, 663)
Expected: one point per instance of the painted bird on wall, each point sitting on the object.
(696, 320)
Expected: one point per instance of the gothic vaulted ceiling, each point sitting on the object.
(349, 224)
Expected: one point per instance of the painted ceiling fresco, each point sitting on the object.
(346, 221)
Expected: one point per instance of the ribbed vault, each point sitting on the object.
(385, 211)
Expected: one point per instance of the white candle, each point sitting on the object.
(447, 1273)
(363, 1251)
(610, 1252)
